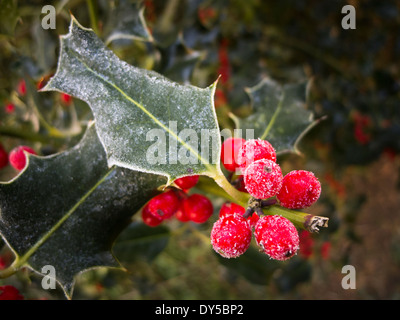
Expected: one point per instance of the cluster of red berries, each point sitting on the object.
(256, 161)
(263, 179)
(177, 203)
(16, 157)
(232, 233)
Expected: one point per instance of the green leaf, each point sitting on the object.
(8, 16)
(279, 114)
(140, 242)
(178, 61)
(139, 111)
(126, 22)
(67, 209)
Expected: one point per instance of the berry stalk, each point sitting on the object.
(234, 194)
(300, 219)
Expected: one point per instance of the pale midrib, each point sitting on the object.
(149, 114)
(24, 258)
(273, 119)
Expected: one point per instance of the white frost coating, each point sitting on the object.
(127, 101)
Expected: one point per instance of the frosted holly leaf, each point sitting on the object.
(67, 209)
(144, 121)
(279, 114)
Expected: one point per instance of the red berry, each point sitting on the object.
(21, 87)
(277, 237)
(198, 208)
(229, 152)
(253, 150)
(181, 214)
(3, 157)
(231, 235)
(220, 98)
(231, 208)
(9, 108)
(150, 219)
(263, 179)
(253, 219)
(300, 189)
(325, 250)
(306, 244)
(17, 156)
(10, 293)
(66, 99)
(187, 182)
(164, 205)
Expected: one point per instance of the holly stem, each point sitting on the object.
(234, 194)
(300, 219)
(30, 136)
(11, 269)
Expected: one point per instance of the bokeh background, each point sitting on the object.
(354, 150)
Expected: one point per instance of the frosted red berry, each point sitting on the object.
(8, 292)
(187, 182)
(17, 156)
(277, 237)
(263, 179)
(150, 219)
(229, 152)
(198, 208)
(3, 157)
(253, 219)
(253, 150)
(300, 189)
(231, 235)
(231, 208)
(164, 205)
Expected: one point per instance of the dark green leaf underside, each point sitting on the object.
(140, 242)
(66, 210)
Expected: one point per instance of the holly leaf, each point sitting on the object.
(66, 210)
(178, 61)
(126, 22)
(279, 114)
(144, 121)
(140, 242)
